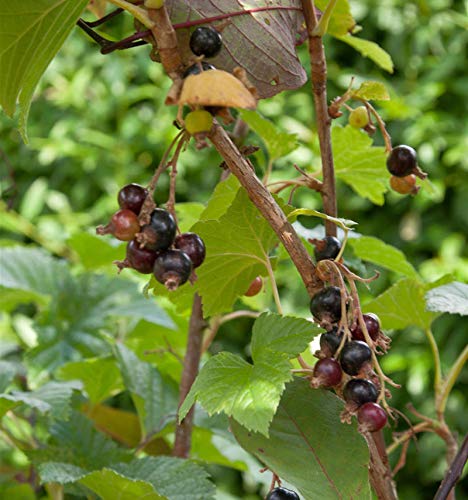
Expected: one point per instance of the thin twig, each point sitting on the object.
(454, 472)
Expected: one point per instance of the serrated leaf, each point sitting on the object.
(372, 91)
(451, 298)
(250, 393)
(278, 143)
(371, 50)
(360, 164)
(31, 33)
(341, 21)
(221, 199)
(304, 437)
(376, 251)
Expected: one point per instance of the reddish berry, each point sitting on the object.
(172, 268)
(371, 417)
(255, 287)
(360, 391)
(123, 225)
(326, 304)
(404, 185)
(372, 322)
(354, 355)
(401, 161)
(328, 372)
(132, 197)
(193, 246)
(140, 259)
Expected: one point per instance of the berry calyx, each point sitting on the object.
(328, 248)
(132, 197)
(206, 41)
(359, 117)
(329, 342)
(140, 259)
(404, 185)
(198, 121)
(172, 268)
(354, 355)
(195, 69)
(123, 225)
(402, 161)
(192, 245)
(326, 304)
(255, 287)
(159, 234)
(327, 373)
(280, 493)
(371, 417)
(360, 391)
(372, 323)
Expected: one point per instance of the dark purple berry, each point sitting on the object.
(354, 355)
(328, 248)
(328, 372)
(193, 246)
(280, 493)
(372, 322)
(360, 391)
(195, 69)
(326, 304)
(140, 259)
(172, 268)
(329, 342)
(159, 234)
(206, 41)
(401, 161)
(255, 287)
(371, 417)
(123, 225)
(132, 197)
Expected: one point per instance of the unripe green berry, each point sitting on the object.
(198, 121)
(359, 117)
(154, 4)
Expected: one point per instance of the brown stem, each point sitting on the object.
(454, 472)
(183, 434)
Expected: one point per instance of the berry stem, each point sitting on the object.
(386, 136)
(135, 11)
(170, 205)
(454, 472)
(452, 376)
(436, 356)
(274, 286)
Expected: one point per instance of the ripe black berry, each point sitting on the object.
(282, 494)
(254, 287)
(329, 342)
(140, 259)
(123, 225)
(159, 234)
(326, 304)
(195, 69)
(132, 197)
(328, 372)
(328, 248)
(354, 355)
(193, 246)
(360, 391)
(372, 322)
(206, 41)
(371, 417)
(172, 268)
(401, 161)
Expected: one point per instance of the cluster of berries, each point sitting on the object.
(153, 247)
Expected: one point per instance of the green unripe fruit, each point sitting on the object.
(154, 4)
(359, 117)
(198, 121)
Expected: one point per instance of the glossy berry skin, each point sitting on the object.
(359, 118)
(282, 494)
(172, 268)
(326, 304)
(206, 41)
(255, 287)
(160, 232)
(404, 185)
(140, 259)
(371, 417)
(328, 248)
(401, 161)
(328, 372)
(329, 342)
(132, 197)
(360, 391)
(195, 69)
(372, 322)
(192, 245)
(354, 355)
(123, 225)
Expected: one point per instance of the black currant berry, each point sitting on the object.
(329, 342)
(401, 161)
(371, 417)
(172, 268)
(280, 493)
(372, 322)
(360, 391)
(326, 304)
(255, 287)
(193, 246)
(354, 355)
(123, 225)
(132, 197)
(206, 41)
(159, 234)
(328, 248)
(195, 69)
(140, 259)
(327, 372)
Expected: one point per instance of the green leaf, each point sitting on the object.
(278, 143)
(371, 50)
(31, 33)
(7, 403)
(372, 91)
(19, 492)
(309, 447)
(250, 393)
(343, 223)
(221, 199)
(8, 370)
(188, 214)
(376, 251)
(451, 298)
(341, 21)
(360, 164)
(95, 252)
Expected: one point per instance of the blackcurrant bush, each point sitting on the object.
(195, 69)
(328, 248)
(280, 493)
(172, 268)
(193, 246)
(140, 259)
(329, 342)
(123, 225)
(360, 391)
(326, 304)
(159, 234)
(404, 185)
(359, 117)
(354, 355)
(206, 41)
(132, 197)
(328, 372)
(255, 287)
(401, 161)
(371, 417)
(198, 121)
(372, 322)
